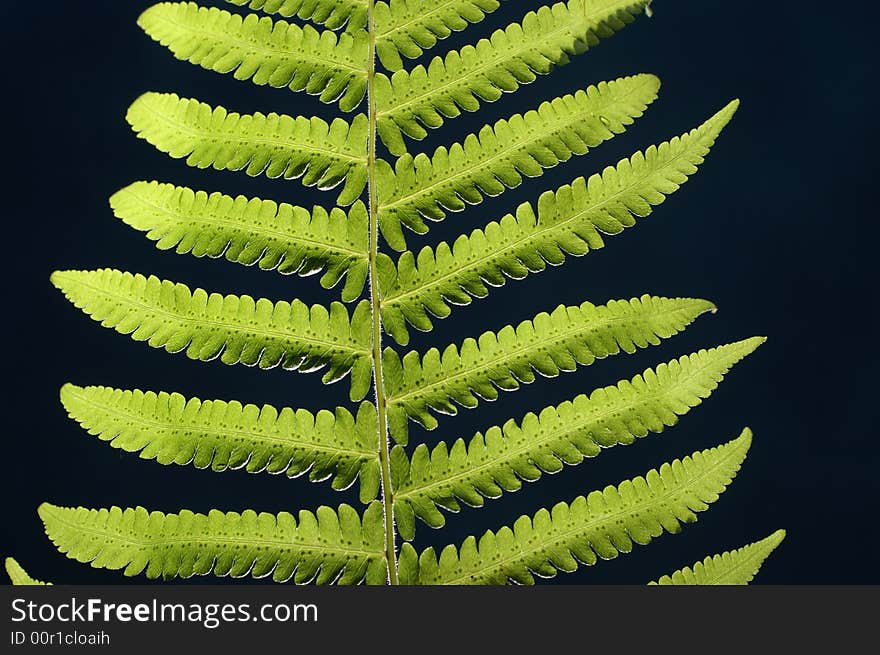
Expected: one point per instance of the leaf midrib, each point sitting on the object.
(215, 220)
(438, 7)
(257, 48)
(502, 458)
(255, 436)
(579, 116)
(515, 52)
(563, 335)
(230, 135)
(208, 539)
(541, 230)
(232, 327)
(627, 509)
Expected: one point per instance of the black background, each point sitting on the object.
(777, 229)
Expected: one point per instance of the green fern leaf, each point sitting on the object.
(277, 236)
(344, 245)
(737, 567)
(409, 102)
(570, 221)
(334, 14)
(601, 525)
(19, 577)
(266, 52)
(222, 435)
(489, 465)
(497, 159)
(328, 546)
(321, 155)
(548, 344)
(237, 329)
(409, 27)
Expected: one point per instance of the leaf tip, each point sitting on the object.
(744, 439)
(750, 345)
(44, 508)
(700, 306)
(144, 21)
(58, 278)
(46, 513)
(137, 110)
(652, 81)
(777, 538)
(725, 115)
(117, 199)
(67, 388)
(18, 576)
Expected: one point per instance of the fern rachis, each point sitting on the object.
(380, 193)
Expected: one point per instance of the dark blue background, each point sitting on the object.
(777, 229)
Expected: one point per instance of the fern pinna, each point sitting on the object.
(337, 60)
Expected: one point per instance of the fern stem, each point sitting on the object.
(381, 402)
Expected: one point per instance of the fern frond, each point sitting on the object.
(276, 145)
(277, 236)
(569, 221)
(411, 101)
(489, 465)
(601, 525)
(334, 14)
(737, 567)
(266, 52)
(19, 577)
(497, 159)
(409, 27)
(224, 436)
(328, 546)
(548, 344)
(237, 329)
